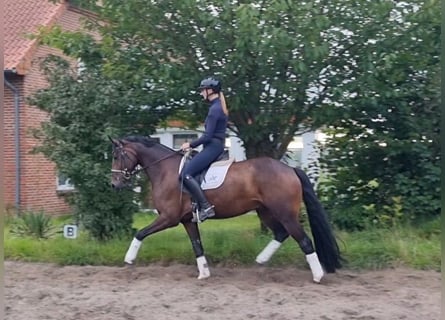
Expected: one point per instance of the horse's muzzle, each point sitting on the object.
(118, 185)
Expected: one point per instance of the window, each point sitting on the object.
(80, 66)
(294, 153)
(179, 139)
(293, 157)
(64, 183)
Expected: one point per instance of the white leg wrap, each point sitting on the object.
(203, 267)
(268, 252)
(132, 251)
(314, 263)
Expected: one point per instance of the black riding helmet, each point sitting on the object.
(210, 83)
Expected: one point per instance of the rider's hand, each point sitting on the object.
(185, 146)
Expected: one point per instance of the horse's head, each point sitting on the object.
(123, 164)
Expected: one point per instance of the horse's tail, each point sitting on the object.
(325, 244)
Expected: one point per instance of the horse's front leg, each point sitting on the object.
(161, 223)
(195, 238)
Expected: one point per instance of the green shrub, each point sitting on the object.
(105, 214)
(430, 228)
(36, 225)
(75, 138)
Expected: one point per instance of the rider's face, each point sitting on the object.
(205, 93)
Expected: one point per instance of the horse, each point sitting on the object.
(268, 186)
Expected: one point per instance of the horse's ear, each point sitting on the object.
(115, 142)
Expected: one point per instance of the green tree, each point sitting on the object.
(384, 152)
(84, 108)
(279, 60)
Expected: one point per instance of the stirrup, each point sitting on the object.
(201, 215)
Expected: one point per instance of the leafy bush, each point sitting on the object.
(75, 138)
(382, 153)
(106, 214)
(36, 225)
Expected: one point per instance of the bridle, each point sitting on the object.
(127, 174)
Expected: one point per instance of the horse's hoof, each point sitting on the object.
(318, 276)
(203, 276)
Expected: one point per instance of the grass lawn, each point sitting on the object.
(231, 242)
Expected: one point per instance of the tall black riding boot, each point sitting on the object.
(205, 208)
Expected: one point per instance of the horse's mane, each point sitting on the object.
(146, 141)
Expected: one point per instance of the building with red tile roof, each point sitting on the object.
(31, 181)
(23, 17)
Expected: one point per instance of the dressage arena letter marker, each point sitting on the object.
(70, 231)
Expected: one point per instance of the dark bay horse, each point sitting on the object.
(268, 186)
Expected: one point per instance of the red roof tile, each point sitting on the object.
(24, 17)
(175, 123)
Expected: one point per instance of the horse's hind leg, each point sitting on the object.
(297, 232)
(280, 234)
(195, 238)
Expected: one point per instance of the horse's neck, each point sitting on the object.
(157, 162)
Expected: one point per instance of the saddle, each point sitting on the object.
(213, 176)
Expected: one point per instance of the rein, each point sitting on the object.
(127, 174)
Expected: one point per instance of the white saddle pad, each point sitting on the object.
(216, 174)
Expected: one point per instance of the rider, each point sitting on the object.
(213, 140)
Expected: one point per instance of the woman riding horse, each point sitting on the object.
(213, 144)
